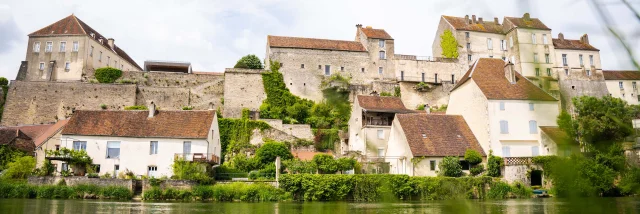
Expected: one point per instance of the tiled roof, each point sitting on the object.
(438, 135)
(15, 138)
(310, 43)
(165, 124)
(381, 104)
(459, 23)
(307, 155)
(557, 135)
(531, 23)
(49, 132)
(572, 45)
(621, 75)
(72, 25)
(376, 33)
(488, 74)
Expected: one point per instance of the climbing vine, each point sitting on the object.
(449, 44)
(235, 134)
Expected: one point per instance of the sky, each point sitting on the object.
(214, 34)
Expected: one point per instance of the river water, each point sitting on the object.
(547, 205)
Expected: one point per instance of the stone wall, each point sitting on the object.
(47, 102)
(520, 173)
(302, 131)
(259, 137)
(167, 98)
(81, 180)
(243, 88)
(176, 184)
(570, 88)
(438, 94)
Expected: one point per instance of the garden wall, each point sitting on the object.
(79, 180)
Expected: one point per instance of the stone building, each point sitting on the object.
(623, 85)
(70, 50)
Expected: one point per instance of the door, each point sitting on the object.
(116, 171)
(422, 77)
(401, 75)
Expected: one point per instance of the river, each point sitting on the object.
(548, 205)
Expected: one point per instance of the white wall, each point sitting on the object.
(468, 101)
(134, 152)
(628, 93)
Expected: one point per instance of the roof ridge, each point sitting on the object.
(50, 25)
(312, 38)
(75, 18)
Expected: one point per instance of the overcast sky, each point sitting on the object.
(213, 35)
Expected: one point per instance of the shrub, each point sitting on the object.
(476, 170)
(420, 107)
(103, 106)
(93, 175)
(499, 190)
(186, 108)
(268, 152)
(473, 157)
(494, 165)
(345, 164)
(20, 168)
(141, 107)
(450, 167)
(187, 170)
(108, 74)
(296, 166)
(325, 163)
(4, 81)
(249, 61)
(385, 94)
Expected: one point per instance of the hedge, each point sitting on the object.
(21, 190)
(220, 192)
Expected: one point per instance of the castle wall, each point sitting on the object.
(438, 95)
(243, 88)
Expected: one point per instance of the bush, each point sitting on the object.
(268, 152)
(473, 157)
(20, 190)
(450, 167)
(186, 108)
(325, 163)
(108, 74)
(4, 81)
(188, 170)
(476, 170)
(345, 164)
(20, 168)
(141, 107)
(630, 182)
(249, 61)
(103, 106)
(296, 166)
(494, 165)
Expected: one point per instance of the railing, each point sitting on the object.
(198, 157)
(513, 161)
(406, 78)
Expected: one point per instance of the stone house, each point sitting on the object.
(143, 142)
(49, 140)
(503, 108)
(418, 142)
(70, 50)
(370, 124)
(623, 85)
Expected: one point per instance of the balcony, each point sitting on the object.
(514, 161)
(198, 157)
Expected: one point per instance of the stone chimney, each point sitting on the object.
(152, 109)
(359, 26)
(480, 20)
(509, 73)
(466, 19)
(111, 43)
(427, 108)
(561, 36)
(584, 38)
(473, 19)
(495, 19)
(526, 17)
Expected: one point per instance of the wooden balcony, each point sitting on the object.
(198, 157)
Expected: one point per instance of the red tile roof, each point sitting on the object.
(310, 43)
(438, 135)
(307, 155)
(621, 75)
(382, 104)
(531, 23)
(376, 33)
(165, 124)
(49, 132)
(572, 45)
(488, 74)
(16, 139)
(459, 23)
(72, 25)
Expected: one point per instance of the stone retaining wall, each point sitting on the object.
(78, 180)
(177, 184)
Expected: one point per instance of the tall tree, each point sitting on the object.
(249, 61)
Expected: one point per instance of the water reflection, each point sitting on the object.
(583, 205)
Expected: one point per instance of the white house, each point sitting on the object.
(422, 140)
(144, 142)
(623, 85)
(503, 109)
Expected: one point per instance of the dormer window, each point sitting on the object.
(93, 35)
(100, 40)
(381, 43)
(424, 135)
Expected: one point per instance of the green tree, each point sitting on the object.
(4, 81)
(473, 157)
(108, 74)
(449, 44)
(450, 167)
(20, 168)
(268, 152)
(325, 163)
(249, 61)
(9, 154)
(494, 164)
(188, 170)
(345, 164)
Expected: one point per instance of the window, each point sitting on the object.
(468, 46)
(153, 148)
(489, 44)
(545, 40)
(591, 60)
(36, 47)
(435, 78)
(100, 56)
(115, 63)
(113, 149)
(620, 85)
(548, 71)
(380, 70)
(535, 151)
(453, 78)
(504, 127)
(381, 43)
(422, 77)
(535, 57)
(546, 58)
(533, 38)
(469, 57)
(49, 47)
(501, 106)
(116, 169)
(639, 98)
(503, 45)
(432, 165)
(41, 67)
(380, 134)
(186, 147)
(588, 72)
(152, 171)
(401, 75)
(531, 107)
(301, 65)
(281, 64)
(506, 151)
(380, 152)
(63, 46)
(564, 59)
(464, 164)
(382, 55)
(580, 57)
(537, 72)
(96, 167)
(67, 66)
(633, 84)
(342, 68)
(566, 72)
(108, 60)
(76, 46)
(80, 145)
(466, 34)
(511, 42)
(490, 56)
(533, 127)
(362, 69)
(319, 66)
(91, 51)
(513, 59)
(65, 167)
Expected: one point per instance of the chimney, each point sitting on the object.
(509, 73)
(466, 19)
(480, 20)
(111, 43)
(359, 26)
(584, 39)
(473, 19)
(495, 19)
(427, 108)
(526, 16)
(561, 36)
(152, 109)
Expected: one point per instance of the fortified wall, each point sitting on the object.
(243, 88)
(579, 84)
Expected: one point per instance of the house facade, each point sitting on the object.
(49, 140)
(503, 108)
(623, 85)
(143, 142)
(418, 142)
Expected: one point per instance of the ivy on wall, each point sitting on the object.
(449, 45)
(235, 134)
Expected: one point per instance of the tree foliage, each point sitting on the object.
(4, 81)
(249, 61)
(189, 170)
(326, 163)
(494, 165)
(449, 44)
(268, 152)
(450, 167)
(8, 154)
(20, 168)
(108, 74)
(473, 157)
